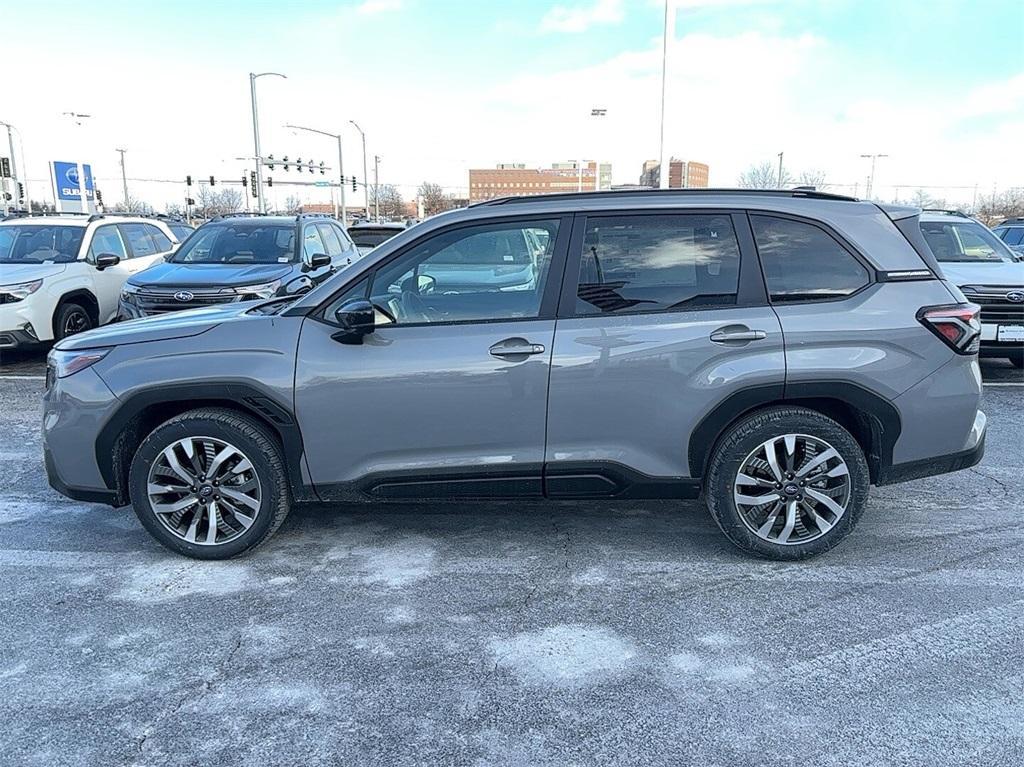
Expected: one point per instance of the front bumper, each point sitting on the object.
(17, 327)
(20, 338)
(971, 455)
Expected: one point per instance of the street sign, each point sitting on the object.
(321, 183)
(66, 187)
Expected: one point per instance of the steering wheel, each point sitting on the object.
(414, 309)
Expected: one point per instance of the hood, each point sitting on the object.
(998, 273)
(209, 275)
(163, 327)
(12, 274)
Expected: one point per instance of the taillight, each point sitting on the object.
(958, 325)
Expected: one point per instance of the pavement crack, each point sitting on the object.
(980, 473)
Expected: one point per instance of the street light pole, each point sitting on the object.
(366, 180)
(341, 172)
(124, 182)
(256, 135)
(376, 187)
(669, 30)
(780, 170)
(871, 178)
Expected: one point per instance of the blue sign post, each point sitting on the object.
(67, 190)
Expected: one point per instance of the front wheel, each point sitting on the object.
(787, 483)
(210, 484)
(71, 318)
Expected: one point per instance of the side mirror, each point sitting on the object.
(356, 319)
(318, 261)
(106, 260)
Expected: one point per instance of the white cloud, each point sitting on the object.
(369, 7)
(580, 18)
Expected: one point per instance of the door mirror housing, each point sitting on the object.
(106, 260)
(318, 261)
(355, 320)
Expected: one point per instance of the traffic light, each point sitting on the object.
(270, 161)
(7, 195)
(298, 165)
(5, 167)
(321, 168)
(311, 166)
(190, 201)
(270, 181)
(252, 182)
(99, 196)
(245, 181)
(188, 181)
(286, 162)
(354, 184)
(21, 192)
(212, 181)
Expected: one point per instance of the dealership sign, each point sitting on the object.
(67, 189)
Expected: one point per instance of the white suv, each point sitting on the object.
(62, 274)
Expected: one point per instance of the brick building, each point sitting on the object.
(515, 179)
(682, 174)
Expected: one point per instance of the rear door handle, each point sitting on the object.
(733, 334)
(515, 347)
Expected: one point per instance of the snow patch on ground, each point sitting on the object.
(569, 654)
(170, 580)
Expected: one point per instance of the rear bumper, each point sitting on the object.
(940, 464)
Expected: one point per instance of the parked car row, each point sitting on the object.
(776, 352)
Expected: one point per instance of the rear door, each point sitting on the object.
(663, 315)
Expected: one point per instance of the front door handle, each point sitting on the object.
(737, 334)
(512, 348)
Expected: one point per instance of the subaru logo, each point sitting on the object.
(1017, 296)
(184, 296)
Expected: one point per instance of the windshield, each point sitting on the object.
(371, 238)
(239, 244)
(40, 243)
(964, 241)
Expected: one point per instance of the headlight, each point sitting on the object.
(263, 290)
(128, 292)
(20, 291)
(65, 364)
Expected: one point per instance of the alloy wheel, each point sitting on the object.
(792, 489)
(77, 321)
(204, 490)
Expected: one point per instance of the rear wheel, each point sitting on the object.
(71, 318)
(787, 483)
(210, 484)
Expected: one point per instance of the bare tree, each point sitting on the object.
(815, 178)
(293, 205)
(211, 202)
(999, 206)
(434, 199)
(134, 205)
(389, 198)
(764, 176)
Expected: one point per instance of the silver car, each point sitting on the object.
(775, 352)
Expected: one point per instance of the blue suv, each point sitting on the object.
(240, 257)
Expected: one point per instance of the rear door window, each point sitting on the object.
(160, 240)
(139, 241)
(652, 263)
(803, 262)
(312, 243)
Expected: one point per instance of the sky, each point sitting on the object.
(440, 86)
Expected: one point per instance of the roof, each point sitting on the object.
(383, 225)
(938, 214)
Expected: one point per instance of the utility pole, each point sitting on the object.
(124, 182)
(262, 200)
(669, 31)
(376, 187)
(14, 173)
(366, 179)
(780, 170)
(871, 178)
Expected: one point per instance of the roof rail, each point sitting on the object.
(26, 214)
(315, 215)
(947, 212)
(1014, 220)
(240, 214)
(805, 192)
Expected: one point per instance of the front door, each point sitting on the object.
(663, 317)
(448, 395)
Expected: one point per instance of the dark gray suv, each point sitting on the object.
(777, 352)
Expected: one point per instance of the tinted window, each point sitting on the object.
(239, 244)
(657, 263)
(367, 237)
(802, 261)
(106, 240)
(36, 244)
(330, 238)
(160, 240)
(1013, 235)
(483, 272)
(180, 231)
(964, 241)
(311, 242)
(138, 239)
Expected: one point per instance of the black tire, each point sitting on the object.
(257, 443)
(71, 318)
(745, 437)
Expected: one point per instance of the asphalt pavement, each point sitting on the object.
(515, 634)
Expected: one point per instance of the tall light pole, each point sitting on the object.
(124, 181)
(83, 196)
(14, 169)
(341, 172)
(871, 178)
(376, 187)
(595, 112)
(366, 179)
(669, 31)
(780, 170)
(256, 134)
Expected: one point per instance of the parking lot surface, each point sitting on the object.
(526, 634)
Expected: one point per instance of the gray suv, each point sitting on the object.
(775, 352)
